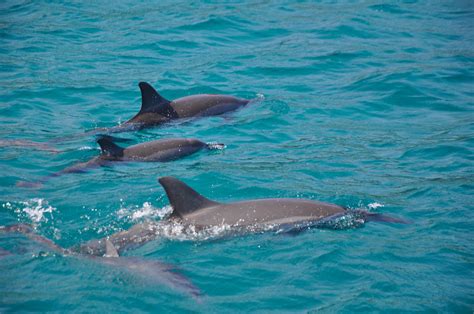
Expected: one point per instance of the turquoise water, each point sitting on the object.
(365, 105)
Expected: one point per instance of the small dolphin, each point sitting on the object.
(153, 151)
(157, 110)
(191, 208)
(151, 270)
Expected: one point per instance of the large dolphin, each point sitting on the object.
(151, 270)
(153, 151)
(191, 208)
(156, 109)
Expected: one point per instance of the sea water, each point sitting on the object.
(365, 104)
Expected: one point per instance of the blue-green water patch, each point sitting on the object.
(366, 105)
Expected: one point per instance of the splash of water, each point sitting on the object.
(147, 210)
(36, 209)
(216, 146)
(374, 205)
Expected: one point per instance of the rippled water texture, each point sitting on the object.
(365, 105)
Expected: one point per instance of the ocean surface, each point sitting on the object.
(359, 103)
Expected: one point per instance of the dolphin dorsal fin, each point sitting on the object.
(151, 100)
(110, 250)
(183, 198)
(109, 148)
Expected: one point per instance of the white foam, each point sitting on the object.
(36, 209)
(375, 205)
(87, 148)
(176, 231)
(216, 146)
(147, 210)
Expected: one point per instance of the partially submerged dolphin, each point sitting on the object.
(192, 209)
(282, 214)
(153, 151)
(156, 109)
(151, 270)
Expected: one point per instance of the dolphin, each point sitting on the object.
(151, 270)
(156, 109)
(153, 151)
(281, 214)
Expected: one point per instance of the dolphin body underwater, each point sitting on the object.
(152, 271)
(153, 151)
(156, 109)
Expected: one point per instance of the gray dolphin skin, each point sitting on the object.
(191, 208)
(153, 151)
(155, 272)
(156, 109)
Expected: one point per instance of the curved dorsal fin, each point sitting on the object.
(151, 100)
(109, 148)
(183, 198)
